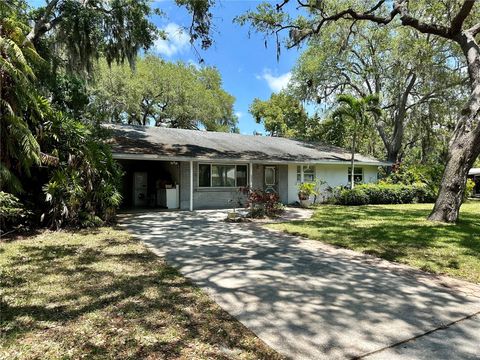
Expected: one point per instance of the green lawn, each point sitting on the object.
(400, 233)
(101, 294)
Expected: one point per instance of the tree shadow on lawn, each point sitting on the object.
(109, 298)
(393, 234)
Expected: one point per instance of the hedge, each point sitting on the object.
(383, 194)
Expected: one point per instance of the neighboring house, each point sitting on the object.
(474, 174)
(190, 169)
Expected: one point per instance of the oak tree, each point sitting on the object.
(455, 21)
(162, 93)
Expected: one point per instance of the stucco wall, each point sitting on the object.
(257, 179)
(211, 198)
(333, 175)
(205, 198)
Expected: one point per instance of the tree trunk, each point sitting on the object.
(463, 151)
(352, 175)
(464, 146)
(394, 144)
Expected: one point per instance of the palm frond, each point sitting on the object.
(8, 181)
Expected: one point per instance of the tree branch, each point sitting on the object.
(381, 131)
(426, 28)
(408, 90)
(41, 22)
(474, 30)
(399, 8)
(280, 6)
(458, 20)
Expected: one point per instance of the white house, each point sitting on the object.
(191, 169)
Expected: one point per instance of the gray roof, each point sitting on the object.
(177, 144)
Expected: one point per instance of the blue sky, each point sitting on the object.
(248, 69)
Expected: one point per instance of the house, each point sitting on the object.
(191, 169)
(474, 174)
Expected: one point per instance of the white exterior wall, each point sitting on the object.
(334, 175)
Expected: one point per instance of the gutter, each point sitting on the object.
(154, 157)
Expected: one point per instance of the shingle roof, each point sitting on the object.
(195, 144)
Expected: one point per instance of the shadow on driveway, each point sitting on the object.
(305, 299)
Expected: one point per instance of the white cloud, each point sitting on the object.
(276, 83)
(194, 63)
(177, 41)
(239, 114)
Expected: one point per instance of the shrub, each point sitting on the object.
(82, 189)
(430, 175)
(343, 196)
(12, 212)
(469, 189)
(383, 193)
(261, 203)
(306, 189)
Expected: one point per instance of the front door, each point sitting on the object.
(270, 179)
(139, 189)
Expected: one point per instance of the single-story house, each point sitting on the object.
(190, 169)
(474, 174)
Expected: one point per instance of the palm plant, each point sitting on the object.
(20, 106)
(83, 186)
(80, 180)
(358, 111)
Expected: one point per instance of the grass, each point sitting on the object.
(101, 294)
(400, 233)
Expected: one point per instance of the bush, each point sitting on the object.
(261, 203)
(469, 189)
(383, 193)
(12, 212)
(430, 175)
(306, 189)
(83, 185)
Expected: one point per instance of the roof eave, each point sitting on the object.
(155, 157)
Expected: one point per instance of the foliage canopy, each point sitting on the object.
(162, 93)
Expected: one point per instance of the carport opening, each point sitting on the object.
(150, 184)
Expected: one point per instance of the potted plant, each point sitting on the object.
(305, 191)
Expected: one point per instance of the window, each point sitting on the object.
(308, 173)
(223, 175)
(305, 173)
(269, 175)
(215, 175)
(357, 175)
(242, 175)
(204, 175)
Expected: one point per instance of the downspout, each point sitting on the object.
(250, 176)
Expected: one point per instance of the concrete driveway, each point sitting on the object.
(308, 300)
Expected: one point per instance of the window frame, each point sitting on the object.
(349, 174)
(274, 169)
(211, 177)
(302, 172)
